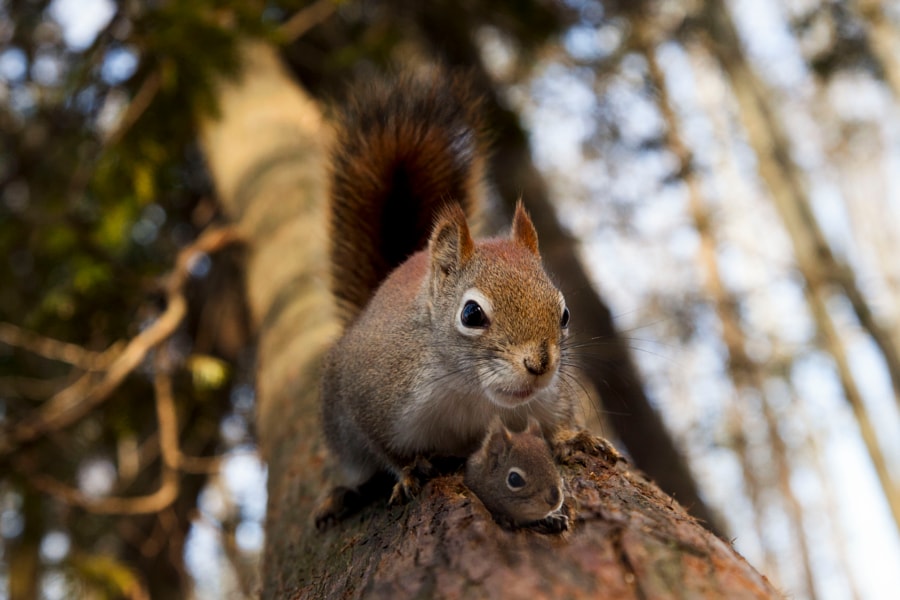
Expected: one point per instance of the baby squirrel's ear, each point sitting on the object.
(523, 230)
(451, 245)
(497, 442)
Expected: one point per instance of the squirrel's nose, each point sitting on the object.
(535, 366)
(538, 361)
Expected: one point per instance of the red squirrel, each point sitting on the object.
(442, 333)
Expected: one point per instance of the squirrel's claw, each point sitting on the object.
(405, 490)
(325, 519)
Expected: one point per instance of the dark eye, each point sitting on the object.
(564, 321)
(514, 480)
(472, 315)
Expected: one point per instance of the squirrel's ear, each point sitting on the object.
(534, 427)
(498, 440)
(451, 245)
(523, 230)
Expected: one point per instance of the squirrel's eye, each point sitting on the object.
(472, 315)
(564, 321)
(515, 480)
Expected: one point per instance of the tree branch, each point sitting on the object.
(74, 402)
(169, 478)
(306, 18)
(52, 349)
(138, 105)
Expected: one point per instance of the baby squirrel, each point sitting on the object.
(515, 477)
(442, 332)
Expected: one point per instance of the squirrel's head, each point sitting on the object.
(514, 474)
(494, 299)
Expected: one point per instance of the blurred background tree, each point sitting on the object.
(727, 172)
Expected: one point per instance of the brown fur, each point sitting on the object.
(407, 377)
(538, 501)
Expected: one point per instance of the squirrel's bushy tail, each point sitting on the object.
(405, 148)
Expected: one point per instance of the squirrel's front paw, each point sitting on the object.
(405, 490)
(339, 503)
(325, 517)
(570, 443)
(410, 482)
(554, 523)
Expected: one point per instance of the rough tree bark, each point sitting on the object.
(628, 540)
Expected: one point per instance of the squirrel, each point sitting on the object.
(442, 333)
(515, 477)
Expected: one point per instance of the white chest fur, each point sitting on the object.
(451, 412)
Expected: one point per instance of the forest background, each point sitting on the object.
(728, 173)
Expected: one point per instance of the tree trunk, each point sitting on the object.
(816, 262)
(627, 539)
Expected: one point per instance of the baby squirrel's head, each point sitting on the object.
(494, 300)
(514, 474)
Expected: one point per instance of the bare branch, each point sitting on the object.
(32, 388)
(139, 104)
(307, 18)
(79, 399)
(166, 415)
(169, 480)
(151, 503)
(50, 348)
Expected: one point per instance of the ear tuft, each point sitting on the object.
(451, 245)
(523, 230)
